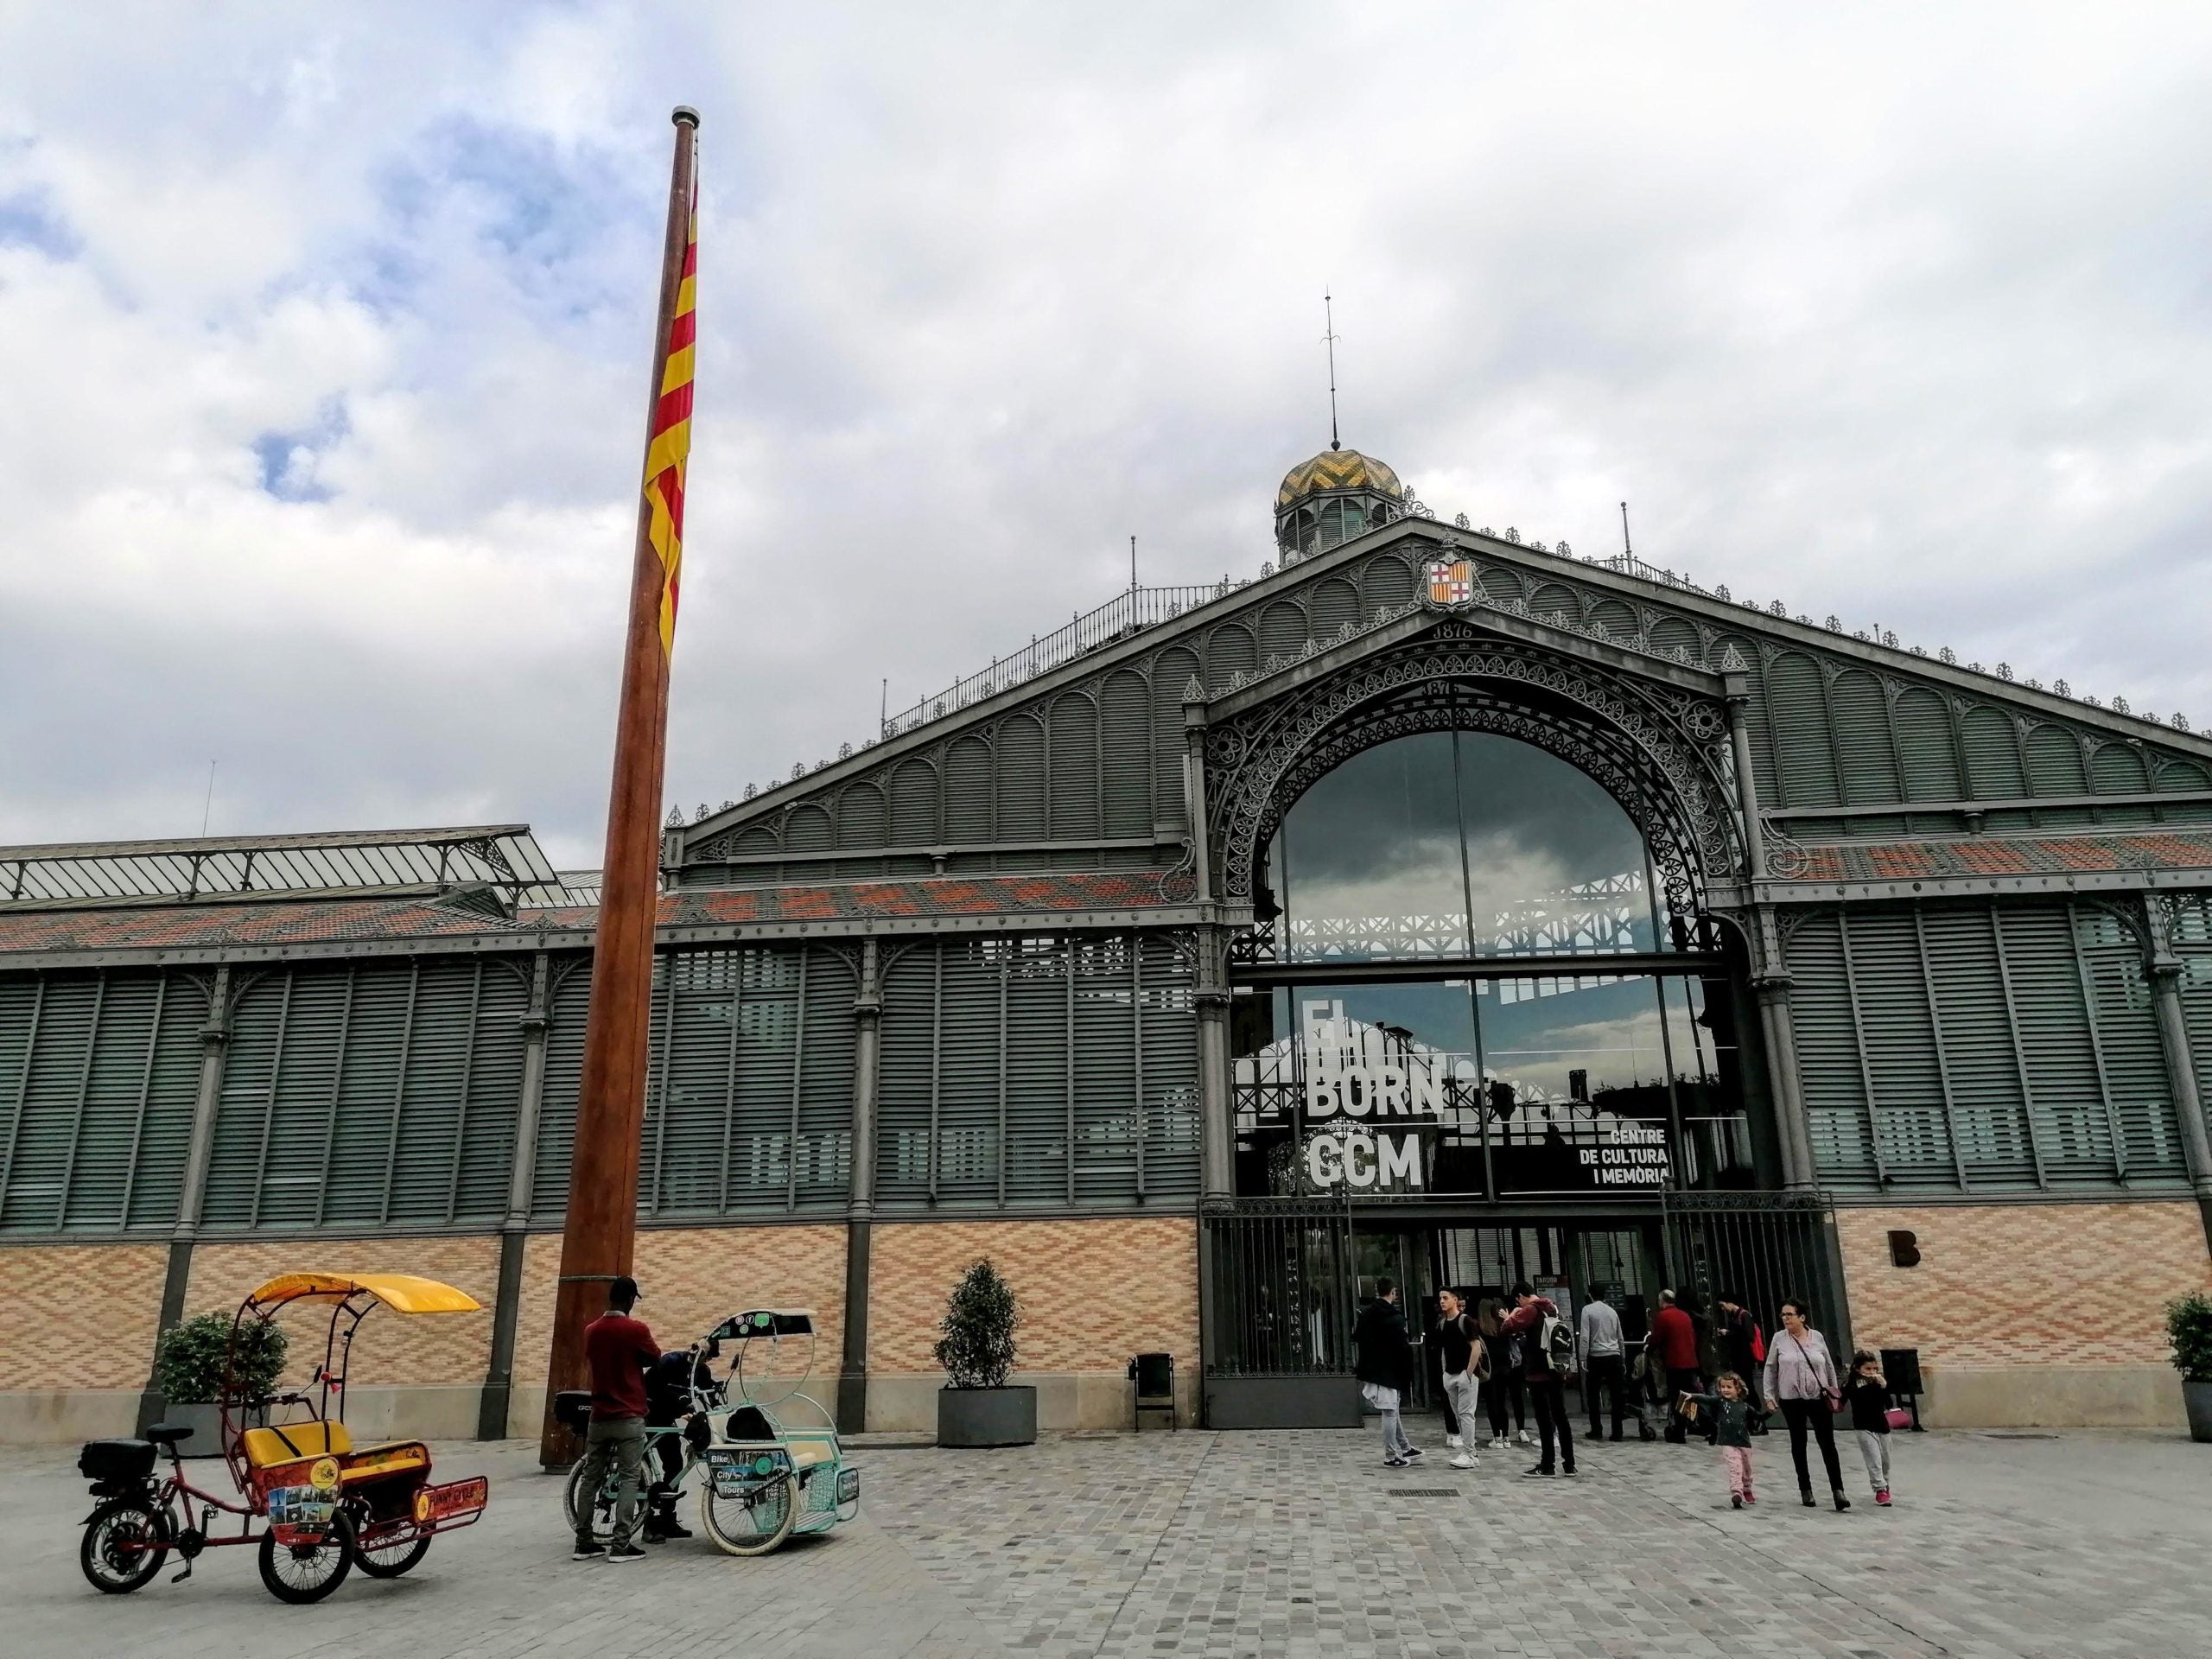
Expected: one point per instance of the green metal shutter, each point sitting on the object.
(1125, 701)
(2065, 1064)
(908, 1076)
(1171, 674)
(1988, 1087)
(2055, 768)
(50, 1090)
(1386, 579)
(1930, 754)
(1500, 585)
(1170, 1098)
(484, 1155)
(1105, 1057)
(1040, 1075)
(2178, 775)
(2192, 942)
(968, 791)
(1868, 758)
(776, 1018)
(172, 1091)
(969, 1053)
(365, 1047)
(1801, 734)
(1332, 603)
(1555, 603)
(914, 805)
(824, 1155)
(556, 1112)
(1282, 630)
(1673, 633)
(1831, 1061)
(1074, 794)
(1615, 618)
(1021, 787)
(1993, 746)
(129, 1126)
(680, 1163)
(2135, 1061)
(1229, 651)
(2117, 769)
(659, 1034)
(433, 1082)
(808, 830)
(1911, 1121)
(862, 819)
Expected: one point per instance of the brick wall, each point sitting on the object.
(393, 1350)
(80, 1316)
(691, 1279)
(2050, 1284)
(1091, 1293)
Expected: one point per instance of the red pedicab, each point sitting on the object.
(329, 1505)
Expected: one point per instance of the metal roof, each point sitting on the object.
(500, 855)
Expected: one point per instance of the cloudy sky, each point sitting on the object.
(323, 337)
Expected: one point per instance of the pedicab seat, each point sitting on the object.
(290, 1442)
(751, 1423)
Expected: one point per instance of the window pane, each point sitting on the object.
(1369, 858)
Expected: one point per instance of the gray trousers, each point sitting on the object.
(1462, 1391)
(621, 1443)
(1875, 1448)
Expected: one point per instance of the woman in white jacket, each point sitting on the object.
(1802, 1384)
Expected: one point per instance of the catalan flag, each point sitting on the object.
(670, 450)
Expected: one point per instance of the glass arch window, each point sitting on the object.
(1449, 844)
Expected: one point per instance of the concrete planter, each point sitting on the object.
(975, 1417)
(2198, 1398)
(205, 1419)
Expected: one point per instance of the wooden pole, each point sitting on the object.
(597, 1240)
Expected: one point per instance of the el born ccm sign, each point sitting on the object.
(1351, 1072)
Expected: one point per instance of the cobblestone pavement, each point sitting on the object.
(1295, 1543)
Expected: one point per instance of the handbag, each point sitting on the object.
(1897, 1417)
(1834, 1396)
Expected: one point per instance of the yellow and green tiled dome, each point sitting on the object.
(1337, 469)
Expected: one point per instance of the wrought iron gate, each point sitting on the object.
(1282, 1284)
(1760, 1246)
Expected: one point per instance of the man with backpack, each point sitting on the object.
(1548, 1352)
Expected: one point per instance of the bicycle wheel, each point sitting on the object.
(392, 1557)
(755, 1521)
(124, 1544)
(602, 1506)
(304, 1573)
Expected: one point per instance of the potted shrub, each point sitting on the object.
(2188, 1328)
(976, 1407)
(188, 1370)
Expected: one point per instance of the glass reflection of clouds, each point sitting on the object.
(1460, 843)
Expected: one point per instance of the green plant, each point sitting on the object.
(189, 1361)
(977, 1348)
(2188, 1328)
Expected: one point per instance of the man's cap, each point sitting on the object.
(624, 1289)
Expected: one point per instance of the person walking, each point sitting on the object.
(1674, 1338)
(1868, 1391)
(1543, 1336)
(620, 1350)
(1730, 1407)
(1605, 1365)
(1740, 1344)
(1801, 1380)
(1385, 1368)
(1460, 1343)
(1509, 1387)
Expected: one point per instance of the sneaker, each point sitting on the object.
(1567, 1468)
(1527, 1438)
(1735, 1501)
(671, 1528)
(1498, 1443)
(1394, 1463)
(1882, 1497)
(1412, 1452)
(1749, 1498)
(1541, 1469)
(1454, 1441)
(588, 1552)
(1464, 1461)
(626, 1552)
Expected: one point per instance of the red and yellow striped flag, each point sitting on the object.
(669, 452)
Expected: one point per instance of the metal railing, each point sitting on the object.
(1131, 611)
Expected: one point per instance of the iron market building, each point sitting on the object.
(1432, 904)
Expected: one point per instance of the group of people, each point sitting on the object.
(634, 1387)
(1520, 1355)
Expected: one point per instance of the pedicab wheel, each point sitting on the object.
(390, 1560)
(602, 1506)
(124, 1544)
(304, 1573)
(754, 1523)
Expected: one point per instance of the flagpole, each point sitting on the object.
(600, 1231)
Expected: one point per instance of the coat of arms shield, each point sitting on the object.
(1451, 581)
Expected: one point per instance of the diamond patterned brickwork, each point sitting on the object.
(2052, 1284)
(392, 1350)
(80, 1316)
(690, 1279)
(1091, 1293)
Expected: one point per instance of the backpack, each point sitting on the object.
(1556, 1340)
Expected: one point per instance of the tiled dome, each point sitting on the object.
(1337, 469)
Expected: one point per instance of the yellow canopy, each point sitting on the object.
(404, 1293)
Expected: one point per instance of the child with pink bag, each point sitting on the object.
(1874, 1413)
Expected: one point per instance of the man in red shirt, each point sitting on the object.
(620, 1350)
(1673, 1339)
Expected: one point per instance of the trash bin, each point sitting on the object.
(1901, 1367)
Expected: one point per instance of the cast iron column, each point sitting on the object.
(868, 1036)
(200, 1152)
(2165, 971)
(492, 1410)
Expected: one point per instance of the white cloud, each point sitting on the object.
(1880, 312)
